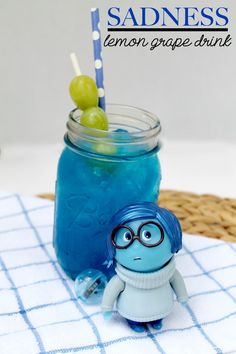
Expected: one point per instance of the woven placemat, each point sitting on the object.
(204, 214)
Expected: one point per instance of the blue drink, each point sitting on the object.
(98, 173)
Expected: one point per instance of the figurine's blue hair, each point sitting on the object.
(147, 210)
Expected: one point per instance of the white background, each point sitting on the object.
(192, 90)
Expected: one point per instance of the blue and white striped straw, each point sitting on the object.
(97, 50)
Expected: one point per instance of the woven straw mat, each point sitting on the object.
(204, 214)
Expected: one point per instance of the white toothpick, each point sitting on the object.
(75, 64)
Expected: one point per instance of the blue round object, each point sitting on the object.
(90, 285)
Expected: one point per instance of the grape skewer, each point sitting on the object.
(84, 93)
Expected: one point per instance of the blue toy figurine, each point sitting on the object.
(143, 240)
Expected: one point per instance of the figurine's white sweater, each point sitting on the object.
(144, 297)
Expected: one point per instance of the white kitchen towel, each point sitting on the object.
(39, 312)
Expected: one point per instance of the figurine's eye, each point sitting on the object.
(123, 237)
(151, 234)
(146, 235)
(127, 236)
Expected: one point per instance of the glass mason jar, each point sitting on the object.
(99, 173)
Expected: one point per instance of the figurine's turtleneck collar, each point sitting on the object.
(147, 280)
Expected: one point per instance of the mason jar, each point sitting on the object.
(98, 173)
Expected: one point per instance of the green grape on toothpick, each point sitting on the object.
(84, 92)
(94, 118)
(83, 89)
(105, 149)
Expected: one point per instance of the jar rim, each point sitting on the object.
(156, 128)
(133, 131)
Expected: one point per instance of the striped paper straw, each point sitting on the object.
(97, 50)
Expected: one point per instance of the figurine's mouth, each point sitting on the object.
(137, 258)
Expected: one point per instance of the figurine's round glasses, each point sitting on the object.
(149, 234)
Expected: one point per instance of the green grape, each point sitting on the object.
(105, 149)
(94, 118)
(84, 92)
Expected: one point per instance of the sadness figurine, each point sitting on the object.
(143, 241)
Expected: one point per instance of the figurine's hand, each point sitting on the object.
(107, 315)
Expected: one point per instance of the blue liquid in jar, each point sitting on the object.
(88, 192)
